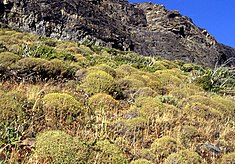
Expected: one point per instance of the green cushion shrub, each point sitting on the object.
(163, 147)
(58, 147)
(106, 152)
(102, 102)
(60, 109)
(184, 156)
(228, 158)
(97, 82)
(141, 161)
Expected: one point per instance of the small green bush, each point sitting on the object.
(97, 82)
(188, 134)
(145, 92)
(147, 154)
(125, 70)
(167, 99)
(10, 108)
(149, 107)
(30, 65)
(102, 102)
(141, 161)
(184, 156)
(163, 147)
(181, 93)
(55, 68)
(60, 108)
(8, 58)
(228, 158)
(203, 111)
(58, 147)
(129, 83)
(105, 68)
(105, 152)
(168, 79)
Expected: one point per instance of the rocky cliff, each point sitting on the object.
(145, 28)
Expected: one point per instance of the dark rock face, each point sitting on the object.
(148, 29)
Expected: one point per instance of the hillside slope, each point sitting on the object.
(147, 29)
(65, 102)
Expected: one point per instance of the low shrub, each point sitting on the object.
(141, 161)
(125, 70)
(106, 152)
(60, 109)
(202, 111)
(102, 102)
(97, 82)
(31, 66)
(105, 68)
(145, 92)
(58, 147)
(8, 58)
(163, 147)
(168, 79)
(184, 156)
(228, 158)
(10, 108)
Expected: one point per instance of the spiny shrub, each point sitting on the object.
(163, 147)
(184, 156)
(168, 79)
(203, 111)
(145, 92)
(152, 81)
(149, 107)
(8, 58)
(105, 152)
(29, 65)
(225, 105)
(44, 69)
(10, 108)
(190, 67)
(55, 68)
(188, 134)
(102, 102)
(228, 158)
(141, 161)
(81, 60)
(125, 70)
(209, 101)
(136, 124)
(167, 99)
(182, 93)
(159, 65)
(97, 82)
(105, 68)
(129, 83)
(147, 154)
(60, 108)
(164, 64)
(57, 147)
(130, 128)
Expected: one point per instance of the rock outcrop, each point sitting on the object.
(145, 28)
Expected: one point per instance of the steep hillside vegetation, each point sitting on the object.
(147, 29)
(64, 102)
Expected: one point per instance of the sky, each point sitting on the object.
(216, 16)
